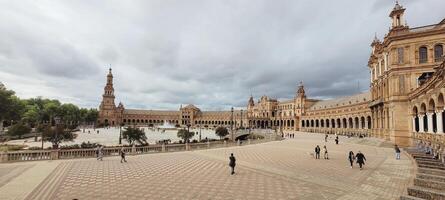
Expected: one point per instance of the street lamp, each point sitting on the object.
(120, 133)
(241, 119)
(231, 123)
(199, 132)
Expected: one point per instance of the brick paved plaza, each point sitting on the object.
(275, 170)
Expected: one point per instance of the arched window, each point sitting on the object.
(423, 55)
(438, 53)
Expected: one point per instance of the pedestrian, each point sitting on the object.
(336, 140)
(122, 152)
(360, 159)
(97, 152)
(351, 158)
(396, 148)
(326, 137)
(326, 156)
(101, 153)
(317, 152)
(232, 163)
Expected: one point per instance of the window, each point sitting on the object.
(438, 53)
(400, 55)
(423, 55)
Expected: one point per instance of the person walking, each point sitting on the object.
(336, 139)
(122, 152)
(326, 137)
(97, 152)
(101, 153)
(317, 152)
(351, 158)
(232, 163)
(326, 156)
(396, 148)
(360, 159)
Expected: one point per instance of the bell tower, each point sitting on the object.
(107, 108)
(397, 16)
(300, 98)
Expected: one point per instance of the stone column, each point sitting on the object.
(421, 128)
(414, 123)
(430, 122)
(439, 121)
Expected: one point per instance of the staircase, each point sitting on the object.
(430, 178)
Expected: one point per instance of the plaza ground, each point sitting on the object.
(275, 170)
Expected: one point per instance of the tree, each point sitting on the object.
(57, 134)
(19, 130)
(185, 135)
(133, 135)
(92, 116)
(11, 106)
(221, 132)
(31, 115)
(51, 109)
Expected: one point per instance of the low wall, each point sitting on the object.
(55, 154)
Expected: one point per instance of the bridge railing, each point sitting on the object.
(32, 155)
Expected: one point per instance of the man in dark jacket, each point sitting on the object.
(360, 159)
(232, 163)
(396, 148)
(317, 152)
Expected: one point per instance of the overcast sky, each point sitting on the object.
(211, 53)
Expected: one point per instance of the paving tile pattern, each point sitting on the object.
(275, 170)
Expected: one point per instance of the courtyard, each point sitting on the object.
(275, 170)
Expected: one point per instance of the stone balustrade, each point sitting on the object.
(30, 155)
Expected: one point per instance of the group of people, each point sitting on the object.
(100, 153)
(360, 157)
(317, 152)
(288, 135)
(326, 136)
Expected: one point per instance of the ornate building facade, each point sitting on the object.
(403, 99)
(190, 115)
(406, 96)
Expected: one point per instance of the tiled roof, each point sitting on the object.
(342, 101)
(150, 112)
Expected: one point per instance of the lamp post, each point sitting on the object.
(241, 119)
(231, 123)
(199, 132)
(120, 133)
(57, 120)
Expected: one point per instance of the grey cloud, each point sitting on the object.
(210, 53)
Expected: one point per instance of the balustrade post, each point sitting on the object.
(3, 156)
(238, 142)
(55, 154)
(248, 141)
(187, 146)
(163, 147)
(133, 150)
(208, 144)
(225, 143)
